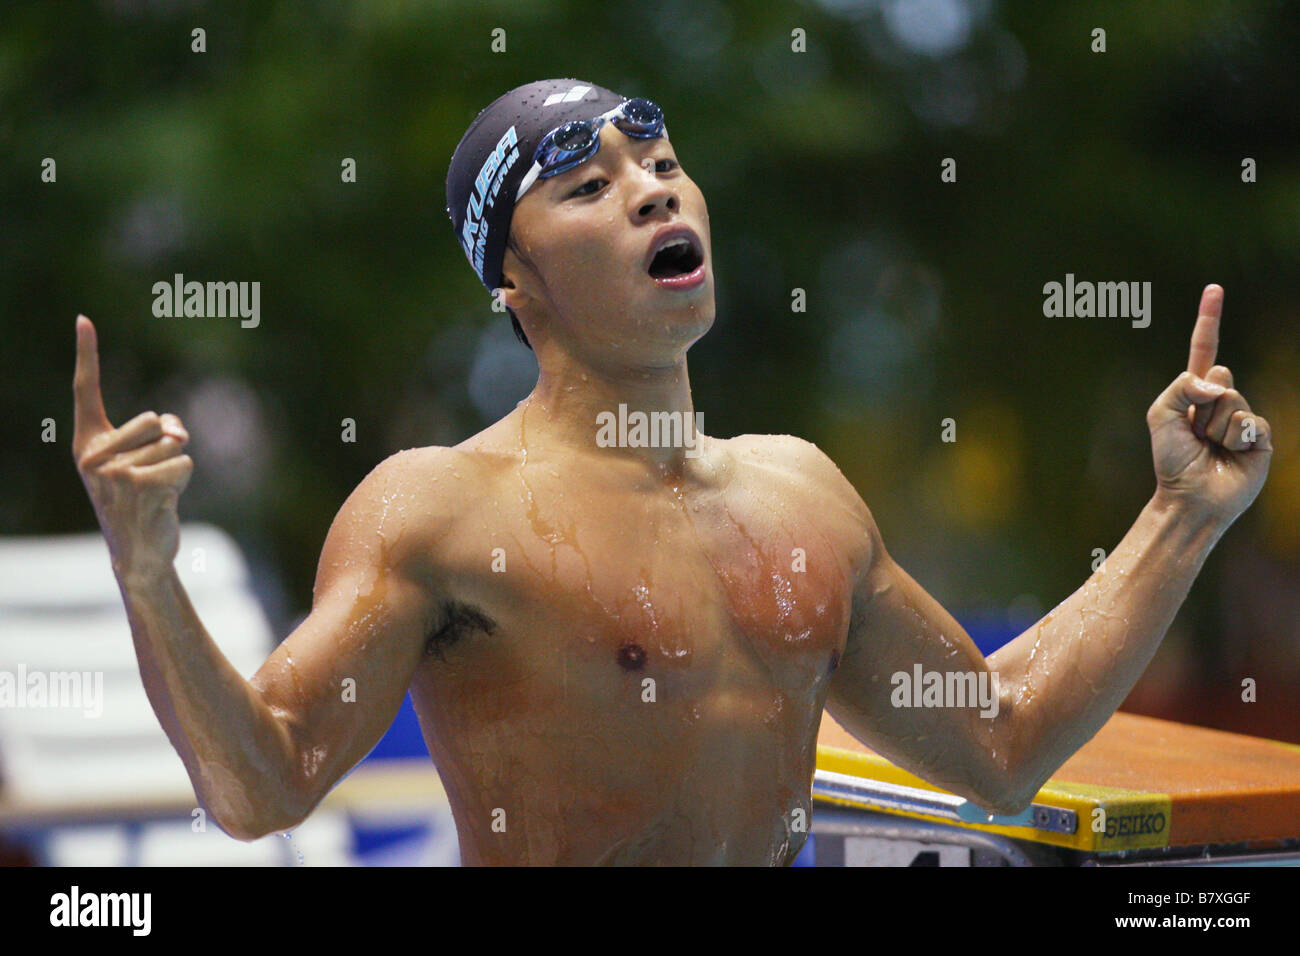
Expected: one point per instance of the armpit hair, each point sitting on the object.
(457, 620)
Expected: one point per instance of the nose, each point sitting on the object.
(651, 195)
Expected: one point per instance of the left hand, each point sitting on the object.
(1211, 451)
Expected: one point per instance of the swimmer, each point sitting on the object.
(620, 652)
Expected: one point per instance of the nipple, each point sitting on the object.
(631, 657)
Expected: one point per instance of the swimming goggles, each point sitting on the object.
(576, 141)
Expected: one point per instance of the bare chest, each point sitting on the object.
(654, 593)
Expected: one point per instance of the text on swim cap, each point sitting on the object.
(486, 186)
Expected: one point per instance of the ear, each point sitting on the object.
(509, 296)
(510, 292)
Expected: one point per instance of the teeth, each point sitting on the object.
(679, 241)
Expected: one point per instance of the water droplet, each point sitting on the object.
(289, 836)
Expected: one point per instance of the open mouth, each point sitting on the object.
(678, 257)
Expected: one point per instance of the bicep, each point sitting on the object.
(899, 636)
(338, 680)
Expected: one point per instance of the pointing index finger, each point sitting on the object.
(89, 415)
(1205, 337)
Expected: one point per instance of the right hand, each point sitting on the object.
(134, 474)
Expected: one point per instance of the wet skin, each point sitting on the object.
(643, 679)
(621, 655)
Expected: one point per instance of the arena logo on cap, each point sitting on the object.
(486, 186)
(575, 93)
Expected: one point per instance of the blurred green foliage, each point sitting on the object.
(821, 170)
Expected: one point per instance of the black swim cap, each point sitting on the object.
(495, 153)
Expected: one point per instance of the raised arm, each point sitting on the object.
(261, 753)
(897, 633)
(1062, 679)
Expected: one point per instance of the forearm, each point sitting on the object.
(238, 754)
(1063, 678)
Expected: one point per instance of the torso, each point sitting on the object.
(628, 668)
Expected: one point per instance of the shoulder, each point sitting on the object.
(413, 468)
(417, 476)
(797, 461)
(398, 512)
(808, 478)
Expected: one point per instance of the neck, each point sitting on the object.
(577, 403)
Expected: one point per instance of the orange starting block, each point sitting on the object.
(1141, 792)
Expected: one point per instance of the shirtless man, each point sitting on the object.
(622, 654)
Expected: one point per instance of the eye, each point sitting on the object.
(661, 166)
(584, 191)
